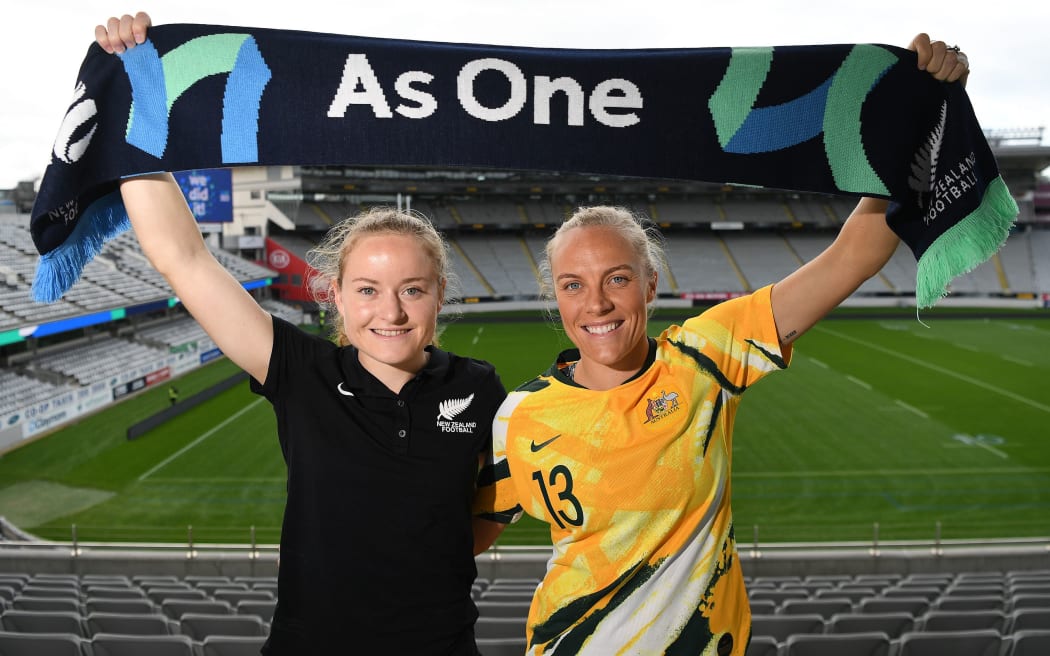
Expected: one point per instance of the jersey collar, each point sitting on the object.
(571, 356)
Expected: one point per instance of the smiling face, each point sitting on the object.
(602, 287)
(389, 297)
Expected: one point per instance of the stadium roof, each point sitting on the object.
(1022, 156)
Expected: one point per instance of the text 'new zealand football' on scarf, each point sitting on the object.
(840, 119)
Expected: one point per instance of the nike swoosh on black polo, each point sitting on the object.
(536, 447)
(342, 391)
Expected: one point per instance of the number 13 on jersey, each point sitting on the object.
(562, 504)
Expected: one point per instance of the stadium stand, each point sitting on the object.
(502, 262)
(1040, 246)
(684, 212)
(549, 214)
(703, 264)
(156, 346)
(21, 390)
(497, 244)
(99, 360)
(840, 628)
(479, 212)
(119, 276)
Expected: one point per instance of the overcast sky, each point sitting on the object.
(45, 41)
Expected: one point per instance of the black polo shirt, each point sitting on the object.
(376, 543)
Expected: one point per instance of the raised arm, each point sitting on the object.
(171, 239)
(865, 243)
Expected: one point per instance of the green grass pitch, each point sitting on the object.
(877, 420)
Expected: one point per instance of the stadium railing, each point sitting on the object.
(22, 552)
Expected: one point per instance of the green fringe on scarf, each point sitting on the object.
(968, 243)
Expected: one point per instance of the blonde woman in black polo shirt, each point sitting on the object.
(382, 431)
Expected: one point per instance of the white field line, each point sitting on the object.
(911, 408)
(858, 381)
(200, 439)
(1023, 363)
(993, 450)
(947, 372)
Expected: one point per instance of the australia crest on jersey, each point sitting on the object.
(660, 405)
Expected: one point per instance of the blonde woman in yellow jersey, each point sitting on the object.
(624, 446)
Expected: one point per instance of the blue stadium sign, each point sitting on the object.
(209, 193)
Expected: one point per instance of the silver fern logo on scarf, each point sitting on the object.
(448, 410)
(945, 186)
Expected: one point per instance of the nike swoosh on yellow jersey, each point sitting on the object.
(536, 447)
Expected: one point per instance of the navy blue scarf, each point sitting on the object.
(856, 120)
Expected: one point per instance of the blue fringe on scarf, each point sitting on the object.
(58, 269)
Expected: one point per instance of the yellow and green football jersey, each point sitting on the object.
(635, 484)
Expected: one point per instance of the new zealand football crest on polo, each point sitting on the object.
(448, 410)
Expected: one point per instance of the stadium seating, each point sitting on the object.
(31, 621)
(129, 623)
(913, 605)
(114, 593)
(892, 624)
(120, 276)
(762, 646)
(781, 625)
(41, 644)
(46, 604)
(127, 606)
(234, 597)
(218, 645)
(261, 609)
(1029, 642)
(199, 626)
(506, 595)
(500, 627)
(826, 607)
(853, 593)
(844, 644)
(514, 646)
(488, 608)
(113, 644)
(176, 608)
(1023, 599)
(967, 602)
(977, 642)
(946, 620)
(780, 596)
(1022, 619)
